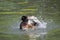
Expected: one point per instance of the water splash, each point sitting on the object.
(39, 32)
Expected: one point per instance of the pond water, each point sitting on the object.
(9, 24)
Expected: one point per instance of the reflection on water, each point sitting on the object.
(40, 31)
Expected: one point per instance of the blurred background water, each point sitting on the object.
(47, 11)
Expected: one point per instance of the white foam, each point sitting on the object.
(42, 25)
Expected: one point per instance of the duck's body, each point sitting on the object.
(28, 23)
